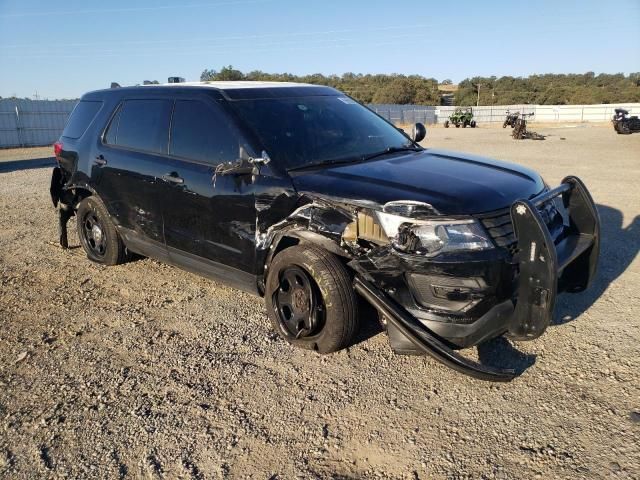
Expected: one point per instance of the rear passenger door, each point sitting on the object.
(130, 168)
(210, 222)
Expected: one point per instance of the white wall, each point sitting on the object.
(544, 113)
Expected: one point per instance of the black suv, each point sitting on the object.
(300, 194)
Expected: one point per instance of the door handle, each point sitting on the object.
(100, 160)
(172, 177)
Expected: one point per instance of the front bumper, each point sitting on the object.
(544, 269)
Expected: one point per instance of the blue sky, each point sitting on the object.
(61, 49)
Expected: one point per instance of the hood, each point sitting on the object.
(453, 183)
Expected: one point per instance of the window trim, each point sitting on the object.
(216, 103)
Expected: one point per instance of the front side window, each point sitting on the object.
(299, 131)
(141, 125)
(202, 132)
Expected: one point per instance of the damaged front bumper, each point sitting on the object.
(544, 268)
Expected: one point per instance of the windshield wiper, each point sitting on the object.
(388, 150)
(351, 160)
(311, 166)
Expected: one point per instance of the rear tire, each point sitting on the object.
(97, 233)
(310, 299)
(473, 124)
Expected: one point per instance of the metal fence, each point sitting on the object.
(406, 114)
(27, 123)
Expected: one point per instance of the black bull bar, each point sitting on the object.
(546, 268)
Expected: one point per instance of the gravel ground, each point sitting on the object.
(146, 371)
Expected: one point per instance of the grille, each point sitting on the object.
(500, 228)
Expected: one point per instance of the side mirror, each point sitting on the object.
(418, 132)
(235, 168)
(243, 166)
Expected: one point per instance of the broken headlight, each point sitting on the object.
(433, 236)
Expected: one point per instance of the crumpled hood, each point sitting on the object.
(453, 183)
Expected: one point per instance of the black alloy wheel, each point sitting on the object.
(98, 234)
(93, 233)
(298, 303)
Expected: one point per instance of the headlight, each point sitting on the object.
(433, 236)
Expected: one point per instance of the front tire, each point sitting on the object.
(446, 124)
(97, 233)
(310, 299)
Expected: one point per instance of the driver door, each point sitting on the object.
(209, 219)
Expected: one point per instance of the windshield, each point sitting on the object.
(302, 131)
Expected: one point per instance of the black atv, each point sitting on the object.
(623, 123)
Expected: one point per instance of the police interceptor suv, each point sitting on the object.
(301, 195)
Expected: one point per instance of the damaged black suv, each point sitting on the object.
(299, 194)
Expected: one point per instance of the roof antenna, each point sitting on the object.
(115, 85)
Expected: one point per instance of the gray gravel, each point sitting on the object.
(146, 371)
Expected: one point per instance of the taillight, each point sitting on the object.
(57, 149)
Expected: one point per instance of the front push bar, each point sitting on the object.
(547, 268)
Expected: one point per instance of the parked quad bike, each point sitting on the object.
(510, 120)
(461, 118)
(520, 131)
(623, 123)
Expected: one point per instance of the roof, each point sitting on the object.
(240, 90)
(234, 85)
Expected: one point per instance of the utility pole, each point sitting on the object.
(478, 85)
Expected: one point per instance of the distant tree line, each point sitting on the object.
(402, 89)
(551, 89)
(547, 89)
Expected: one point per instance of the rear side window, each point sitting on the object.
(81, 117)
(141, 125)
(202, 132)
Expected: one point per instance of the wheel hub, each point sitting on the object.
(300, 300)
(298, 304)
(96, 233)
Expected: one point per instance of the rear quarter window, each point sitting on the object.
(81, 117)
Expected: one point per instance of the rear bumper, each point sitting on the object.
(545, 269)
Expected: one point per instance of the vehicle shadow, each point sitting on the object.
(501, 353)
(618, 247)
(27, 164)
(369, 323)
